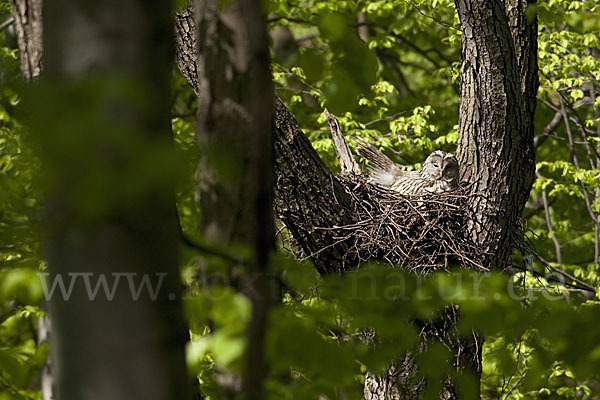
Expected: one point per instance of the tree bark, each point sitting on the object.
(110, 212)
(28, 26)
(498, 93)
(404, 380)
(309, 200)
(229, 68)
(232, 83)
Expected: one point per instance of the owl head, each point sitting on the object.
(441, 166)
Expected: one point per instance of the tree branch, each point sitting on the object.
(7, 23)
(344, 155)
(557, 247)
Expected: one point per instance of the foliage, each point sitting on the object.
(411, 108)
(20, 290)
(408, 106)
(394, 85)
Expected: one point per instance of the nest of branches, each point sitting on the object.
(420, 233)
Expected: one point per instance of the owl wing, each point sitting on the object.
(382, 170)
(412, 183)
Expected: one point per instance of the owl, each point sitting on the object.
(439, 173)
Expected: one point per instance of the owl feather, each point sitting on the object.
(439, 173)
(382, 170)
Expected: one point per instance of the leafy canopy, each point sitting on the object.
(388, 69)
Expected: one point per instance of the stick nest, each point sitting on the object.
(420, 233)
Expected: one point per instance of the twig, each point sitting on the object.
(586, 194)
(548, 130)
(551, 232)
(391, 117)
(418, 8)
(582, 286)
(212, 250)
(7, 23)
(564, 273)
(279, 18)
(514, 386)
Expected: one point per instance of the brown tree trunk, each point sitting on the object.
(234, 119)
(309, 200)
(102, 118)
(229, 69)
(404, 380)
(499, 84)
(498, 93)
(28, 26)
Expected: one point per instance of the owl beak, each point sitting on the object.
(441, 172)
